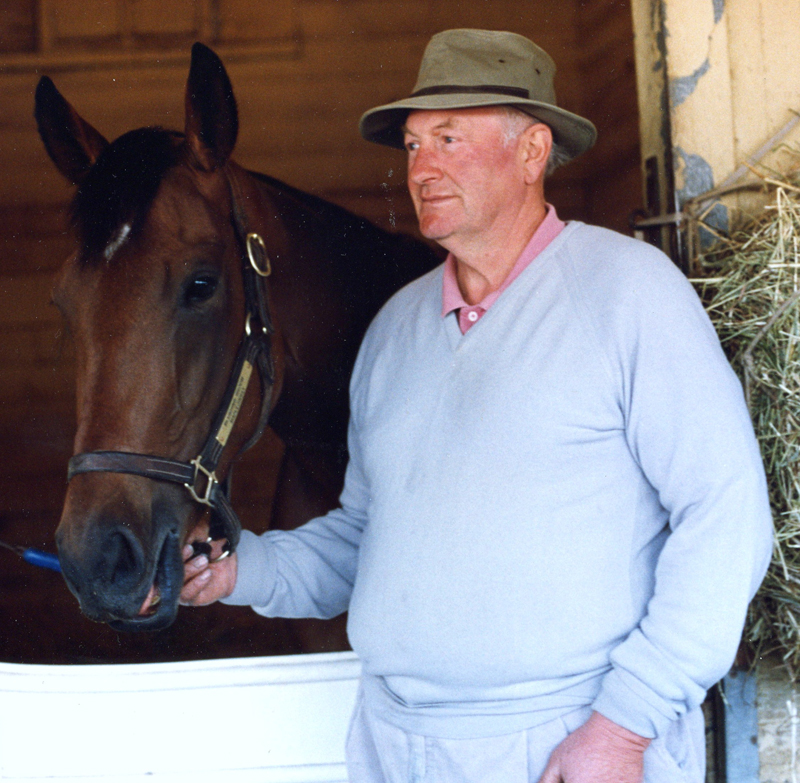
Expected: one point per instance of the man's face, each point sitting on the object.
(465, 179)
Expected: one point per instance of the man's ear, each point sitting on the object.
(535, 144)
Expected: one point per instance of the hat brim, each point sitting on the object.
(384, 124)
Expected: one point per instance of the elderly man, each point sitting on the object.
(554, 514)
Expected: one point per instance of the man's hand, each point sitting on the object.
(600, 751)
(205, 581)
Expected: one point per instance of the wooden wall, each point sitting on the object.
(303, 72)
(609, 174)
(718, 86)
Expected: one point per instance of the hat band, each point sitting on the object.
(455, 89)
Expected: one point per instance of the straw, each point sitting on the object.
(750, 285)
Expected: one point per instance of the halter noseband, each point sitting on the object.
(198, 475)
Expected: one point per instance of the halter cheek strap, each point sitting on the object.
(198, 475)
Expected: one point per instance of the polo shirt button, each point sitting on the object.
(472, 315)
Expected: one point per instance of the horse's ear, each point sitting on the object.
(212, 121)
(71, 142)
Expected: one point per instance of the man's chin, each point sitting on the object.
(435, 230)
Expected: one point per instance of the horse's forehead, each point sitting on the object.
(186, 211)
(189, 207)
(187, 191)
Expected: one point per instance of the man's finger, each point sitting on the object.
(193, 588)
(195, 565)
(206, 581)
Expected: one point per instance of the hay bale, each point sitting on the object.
(750, 285)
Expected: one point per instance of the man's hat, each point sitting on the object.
(463, 69)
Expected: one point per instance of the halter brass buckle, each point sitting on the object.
(255, 239)
(211, 481)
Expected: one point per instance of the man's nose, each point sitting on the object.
(423, 166)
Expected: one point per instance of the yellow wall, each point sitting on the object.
(726, 72)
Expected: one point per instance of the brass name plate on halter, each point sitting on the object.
(236, 403)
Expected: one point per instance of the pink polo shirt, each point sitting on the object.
(469, 315)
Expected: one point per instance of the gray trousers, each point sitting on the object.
(378, 752)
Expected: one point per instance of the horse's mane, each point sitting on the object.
(352, 238)
(324, 210)
(342, 224)
(121, 186)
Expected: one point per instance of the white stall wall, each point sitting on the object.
(273, 720)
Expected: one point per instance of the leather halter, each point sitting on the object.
(198, 475)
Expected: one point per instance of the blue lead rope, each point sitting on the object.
(42, 559)
(35, 556)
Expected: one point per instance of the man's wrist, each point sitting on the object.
(618, 734)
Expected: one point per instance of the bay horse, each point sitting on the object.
(190, 275)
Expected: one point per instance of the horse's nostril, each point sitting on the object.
(106, 567)
(121, 558)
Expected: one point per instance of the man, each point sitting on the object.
(555, 514)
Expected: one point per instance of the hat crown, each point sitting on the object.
(479, 59)
(468, 69)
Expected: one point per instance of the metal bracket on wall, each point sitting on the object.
(639, 224)
(651, 224)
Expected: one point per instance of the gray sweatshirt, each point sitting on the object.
(564, 506)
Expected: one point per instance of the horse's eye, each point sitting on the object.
(200, 289)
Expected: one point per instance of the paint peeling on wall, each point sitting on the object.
(681, 87)
(656, 14)
(698, 178)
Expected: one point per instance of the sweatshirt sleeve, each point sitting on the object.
(309, 571)
(690, 432)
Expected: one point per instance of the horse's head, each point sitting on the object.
(153, 298)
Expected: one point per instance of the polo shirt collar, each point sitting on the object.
(452, 299)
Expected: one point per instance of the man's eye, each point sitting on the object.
(411, 146)
(449, 139)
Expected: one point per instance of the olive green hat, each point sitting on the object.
(462, 69)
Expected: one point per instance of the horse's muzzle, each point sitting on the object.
(112, 578)
(167, 582)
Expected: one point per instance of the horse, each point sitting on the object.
(190, 276)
